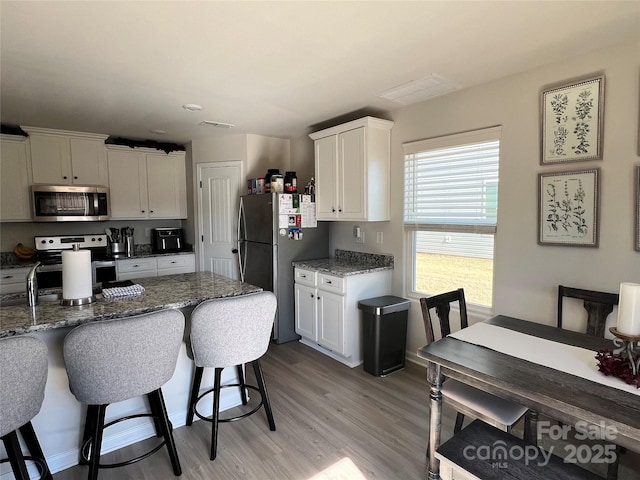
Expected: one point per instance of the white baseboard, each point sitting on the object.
(349, 363)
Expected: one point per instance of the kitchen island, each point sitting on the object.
(60, 421)
(169, 291)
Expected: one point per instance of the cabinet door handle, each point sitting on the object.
(151, 211)
(340, 210)
(311, 295)
(65, 177)
(333, 209)
(328, 282)
(173, 261)
(136, 266)
(303, 276)
(75, 178)
(8, 276)
(142, 211)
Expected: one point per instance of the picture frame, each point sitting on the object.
(568, 208)
(637, 210)
(572, 120)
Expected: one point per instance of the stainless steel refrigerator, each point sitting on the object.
(266, 249)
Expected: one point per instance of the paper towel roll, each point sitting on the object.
(76, 275)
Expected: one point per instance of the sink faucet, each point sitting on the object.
(32, 285)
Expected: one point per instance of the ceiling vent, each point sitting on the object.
(419, 90)
(211, 123)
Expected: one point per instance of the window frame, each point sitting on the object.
(493, 133)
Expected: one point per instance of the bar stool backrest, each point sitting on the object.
(114, 360)
(232, 331)
(23, 376)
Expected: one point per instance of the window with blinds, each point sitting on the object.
(450, 212)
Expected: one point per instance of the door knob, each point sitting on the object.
(234, 250)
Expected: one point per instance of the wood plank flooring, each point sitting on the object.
(324, 412)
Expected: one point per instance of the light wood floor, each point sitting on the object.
(324, 412)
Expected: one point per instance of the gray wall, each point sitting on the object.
(527, 274)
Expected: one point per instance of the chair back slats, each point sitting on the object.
(597, 304)
(442, 305)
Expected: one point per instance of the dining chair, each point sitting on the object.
(468, 400)
(597, 304)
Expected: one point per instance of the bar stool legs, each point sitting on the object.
(217, 386)
(17, 458)
(94, 430)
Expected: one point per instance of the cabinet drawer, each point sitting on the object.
(330, 283)
(13, 280)
(305, 277)
(176, 261)
(136, 265)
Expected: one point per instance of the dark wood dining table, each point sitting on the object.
(548, 391)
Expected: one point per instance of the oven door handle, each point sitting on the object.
(103, 263)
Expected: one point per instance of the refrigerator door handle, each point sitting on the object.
(241, 264)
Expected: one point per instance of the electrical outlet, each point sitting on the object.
(379, 238)
(360, 239)
(147, 232)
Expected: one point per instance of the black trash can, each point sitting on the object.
(384, 333)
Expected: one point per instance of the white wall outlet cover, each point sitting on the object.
(357, 232)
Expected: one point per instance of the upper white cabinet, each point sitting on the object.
(60, 157)
(352, 167)
(14, 179)
(144, 183)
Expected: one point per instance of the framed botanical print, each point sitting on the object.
(568, 208)
(572, 116)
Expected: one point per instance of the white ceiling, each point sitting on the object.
(272, 68)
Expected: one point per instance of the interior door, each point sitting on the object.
(218, 203)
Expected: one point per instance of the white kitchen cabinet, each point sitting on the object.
(15, 202)
(171, 264)
(130, 268)
(352, 169)
(60, 157)
(326, 310)
(306, 303)
(13, 280)
(146, 184)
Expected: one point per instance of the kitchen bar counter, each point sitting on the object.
(348, 263)
(60, 422)
(170, 291)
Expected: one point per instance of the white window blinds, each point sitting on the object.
(451, 183)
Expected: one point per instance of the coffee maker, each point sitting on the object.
(167, 240)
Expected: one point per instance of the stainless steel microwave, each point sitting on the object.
(69, 203)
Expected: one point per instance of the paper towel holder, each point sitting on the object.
(74, 302)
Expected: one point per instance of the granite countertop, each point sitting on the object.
(169, 291)
(347, 263)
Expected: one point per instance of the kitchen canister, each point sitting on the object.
(277, 183)
(290, 182)
(77, 280)
(267, 178)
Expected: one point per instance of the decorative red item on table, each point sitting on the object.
(617, 365)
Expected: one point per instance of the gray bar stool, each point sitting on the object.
(115, 360)
(229, 333)
(23, 376)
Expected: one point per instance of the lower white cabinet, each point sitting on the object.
(326, 310)
(13, 280)
(136, 268)
(170, 264)
(130, 268)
